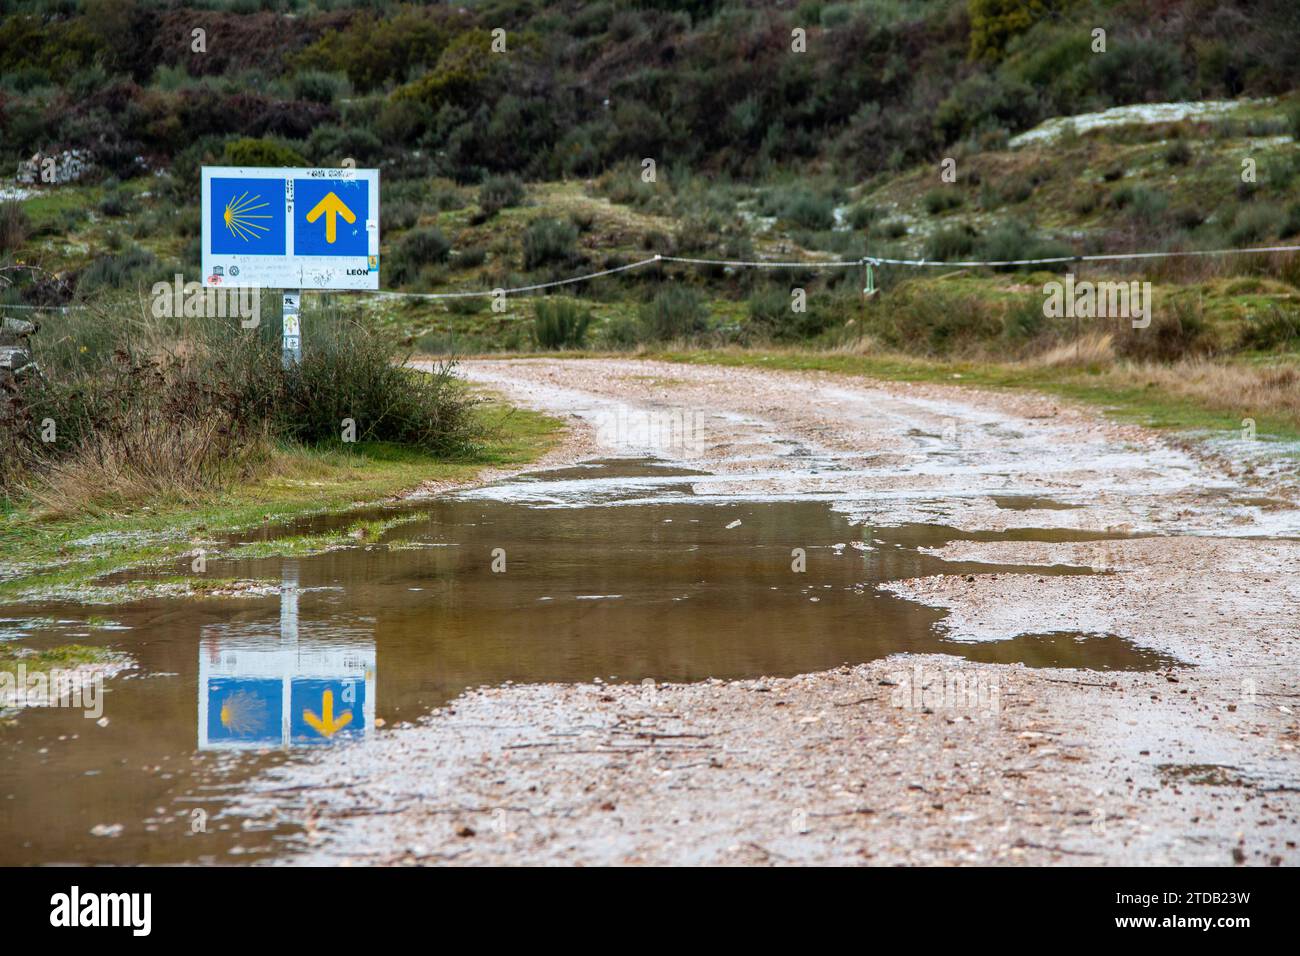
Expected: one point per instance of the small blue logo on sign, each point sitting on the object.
(326, 710)
(330, 217)
(248, 217)
(244, 709)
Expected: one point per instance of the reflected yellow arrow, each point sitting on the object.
(331, 207)
(328, 726)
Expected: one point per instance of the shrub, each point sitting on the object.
(373, 51)
(862, 216)
(1178, 330)
(471, 258)
(123, 270)
(14, 226)
(1179, 153)
(801, 207)
(1254, 223)
(769, 312)
(500, 192)
(560, 324)
(678, 312)
(319, 86)
(549, 241)
(771, 316)
(994, 22)
(928, 317)
(621, 333)
(1291, 224)
(1012, 241)
(1277, 329)
(149, 409)
(950, 242)
(329, 143)
(349, 372)
(398, 215)
(260, 152)
(115, 204)
(938, 201)
(424, 246)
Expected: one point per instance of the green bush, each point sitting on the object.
(424, 246)
(471, 258)
(994, 22)
(398, 215)
(861, 216)
(1291, 224)
(373, 51)
(1013, 241)
(621, 333)
(560, 324)
(678, 312)
(1277, 329)
(800, 207)
(549, 242)
(769, 312)
(116, 203)
(931, 318)
(1178, 330)
(133, 267)
(1178, 153)
(500, 192)
(151, 407)
(938, 201)
(319, 86)
(349, 372)
(950, 243)
(260, 152)
(1254, 223)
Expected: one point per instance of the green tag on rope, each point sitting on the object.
(871, 281)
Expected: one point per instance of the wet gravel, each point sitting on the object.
(882, 763)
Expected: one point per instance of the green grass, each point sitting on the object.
(64, 657)
(45, 555)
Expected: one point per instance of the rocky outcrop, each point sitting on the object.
(69, 166)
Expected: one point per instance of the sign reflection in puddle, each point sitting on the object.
(264, 686)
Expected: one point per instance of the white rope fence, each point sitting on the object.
(864, 261)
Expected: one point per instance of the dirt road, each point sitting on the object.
(1196, 554)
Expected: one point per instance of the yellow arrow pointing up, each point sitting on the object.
(331, 207)
(328, 726)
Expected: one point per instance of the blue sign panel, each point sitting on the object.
(325, 710)
(329, 217)
(247, 217)
(244, 710)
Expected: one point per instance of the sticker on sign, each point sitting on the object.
(287, 228)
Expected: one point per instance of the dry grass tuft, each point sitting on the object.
(1089, 350)
(1251, 390)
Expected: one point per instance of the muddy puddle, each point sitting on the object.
(609, 570)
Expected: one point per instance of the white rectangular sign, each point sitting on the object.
(286, 228)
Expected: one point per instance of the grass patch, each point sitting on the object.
(64, 657)
(39, 554)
